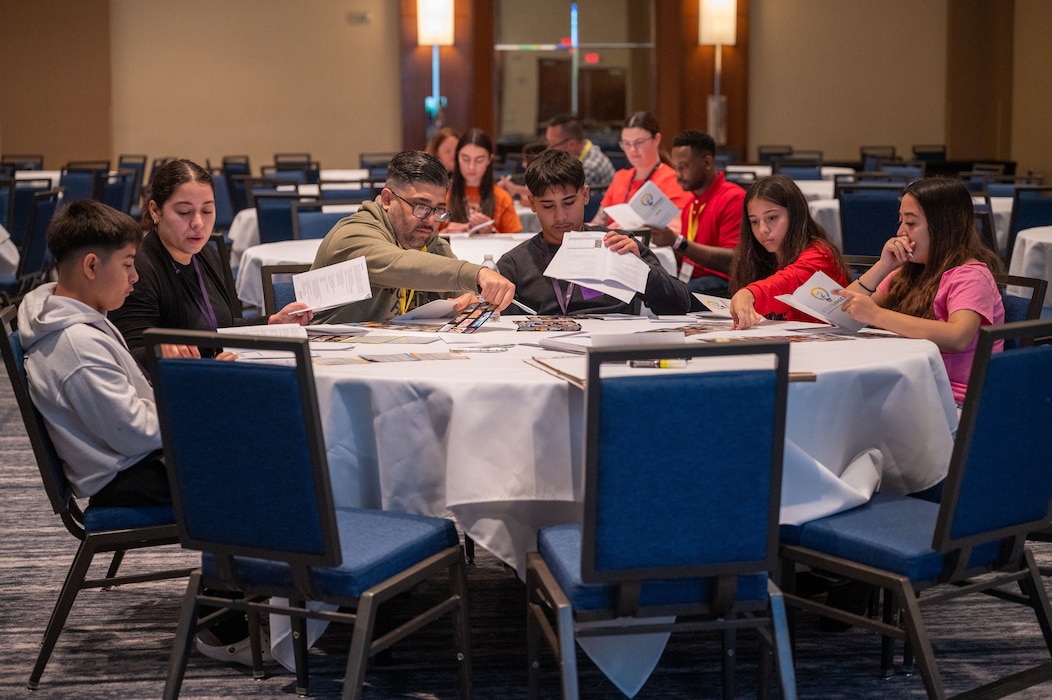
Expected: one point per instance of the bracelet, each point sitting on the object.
(871, 291)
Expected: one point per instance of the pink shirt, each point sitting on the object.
(969, 286)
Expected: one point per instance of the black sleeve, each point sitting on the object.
(664, 294)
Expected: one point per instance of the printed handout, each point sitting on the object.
(815, 298)
(648, 207)
(333, 285)
(583, 259)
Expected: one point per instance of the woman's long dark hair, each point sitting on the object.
(751, 261)
(458, 208)
(947, 206)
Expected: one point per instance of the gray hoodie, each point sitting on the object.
(96, 402)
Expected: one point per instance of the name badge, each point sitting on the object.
(686, 271)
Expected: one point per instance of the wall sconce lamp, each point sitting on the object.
(717, 25)
(434, 28)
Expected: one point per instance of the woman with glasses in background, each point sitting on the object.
(641, 142)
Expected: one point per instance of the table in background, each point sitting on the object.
(829, 172)
(1032, 257)
(8, 253)
(249, 284)
(52, 175)
(827, 213)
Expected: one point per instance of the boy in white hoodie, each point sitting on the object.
(95, 399)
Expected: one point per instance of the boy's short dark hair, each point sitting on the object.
(553, 169)
(87, 225)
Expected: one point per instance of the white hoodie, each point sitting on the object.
(96, 402)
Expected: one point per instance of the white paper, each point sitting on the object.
(273, 330)
(439, 308)
(815, 298)
(583, 259)
(479, 227)
(716, 305)
(648, 207)
(333, 285)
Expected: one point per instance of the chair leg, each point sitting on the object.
(782, 647)
(567, 652)
(184, 635)
(730, 651)
(358, 657)
(462, 627)
(255, 644)
(115, 563)
(469, 548)
(533, 649)
(70, 587)
(1034, 587)
(917, 635)
(887, 644)
(298, 623)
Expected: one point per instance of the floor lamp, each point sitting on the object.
(434, 28)
(717, 25)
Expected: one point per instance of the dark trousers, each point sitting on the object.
(142, 484)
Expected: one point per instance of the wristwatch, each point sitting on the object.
(680, 244)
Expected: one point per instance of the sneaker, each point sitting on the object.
(239, 652)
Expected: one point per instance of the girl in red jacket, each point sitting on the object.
(786, 247)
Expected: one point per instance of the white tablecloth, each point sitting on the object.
(498, 443)
(827, 213)
(1032, 257)
(829, 172)
(244, 229)
(52, 175)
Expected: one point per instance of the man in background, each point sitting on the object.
(564, 133)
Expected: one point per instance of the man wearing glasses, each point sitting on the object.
(564, 133)
(408, 264)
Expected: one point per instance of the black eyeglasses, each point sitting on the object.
(422, 211)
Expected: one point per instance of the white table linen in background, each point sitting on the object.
(8, 253)
(1032, 257)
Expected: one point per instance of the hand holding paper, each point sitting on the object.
(333, 285)
(649, 207)
(815, 298)
(584, 259)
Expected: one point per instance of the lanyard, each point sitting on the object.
(632, 179)
(584, 151)
(405, 296)
(564, 301)
(204, 303)
(694, 220)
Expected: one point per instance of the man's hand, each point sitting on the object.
(661, 236)
(495, 288)
(620, 243)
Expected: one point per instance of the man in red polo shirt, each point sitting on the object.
(711, 223)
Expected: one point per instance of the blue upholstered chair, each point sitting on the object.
(98, 529)
(137, 164)
(118, 190)
(998, 490)
(224, 204)
(363, 190)
(278, 291)
(929, 152)
(7, 203)
(595, 200)
(766, 154)
(80, 184)
(797, 168)
(913, 169)
(670, 531)
(1019, 308)
(311, 220)
(1031, 207)
(873, 156)
(261, 510)
(34, 258)
(869, 216)
(236, 168)
(274, 214)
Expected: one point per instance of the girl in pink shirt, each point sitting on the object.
(786, 247)
(934, 279)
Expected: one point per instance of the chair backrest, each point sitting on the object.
(722, 502)
(984, 225)
(218, 241)
(24, 162)
(1031, 206)
(235, 167)
(224, 205)
(999, 485)
(278, 291)
(315, 218)
(137, 164)
(274, 213)
(868, 177)
(267, 497)
(797, 168)
(7, 203)
(872, 156)
(642, 235)
(858, 264)
(56, 485)
(34, 256)
(375, 163)
(929, 152)
(117, 190)
(767, 153)
(595, 199)
(914, 169)
(80, 184)
(24, 193)
(363, 190)
(869, 216)
(1020, 308)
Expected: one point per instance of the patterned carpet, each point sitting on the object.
(116, 643)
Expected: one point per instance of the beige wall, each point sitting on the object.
(203, 79)
(834, 75)
(1032, 89)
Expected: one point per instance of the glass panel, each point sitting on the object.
(540, 73)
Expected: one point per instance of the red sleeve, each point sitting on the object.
(815, 257)
(730, 221)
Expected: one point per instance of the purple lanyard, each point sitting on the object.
(563, 301)
(204, 303)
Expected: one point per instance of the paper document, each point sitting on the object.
(716, 305)
(273, 330)
(479, 227)
(649, 206)
(433, 310)
(583, 259)
(582, 342)
(333, 285)
(815, 298)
